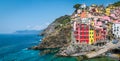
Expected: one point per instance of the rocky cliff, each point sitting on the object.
(57, 34)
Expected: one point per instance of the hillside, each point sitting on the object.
(57, 34)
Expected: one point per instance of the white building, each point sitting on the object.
(74, 26)
(83, 6)
(116, 29)
(79, 11)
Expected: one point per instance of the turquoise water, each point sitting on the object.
(13, 48)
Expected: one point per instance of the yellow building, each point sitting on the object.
(92, 22)
(107, 11)
(97, 10)
(79, 15)
(91, 35)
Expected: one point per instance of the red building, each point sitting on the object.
(103, 34)
(82, 33)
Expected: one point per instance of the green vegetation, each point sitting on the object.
(67, 20)
(116, 4)
(63, 21)
(77, 6)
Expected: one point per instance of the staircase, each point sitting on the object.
(107, 47)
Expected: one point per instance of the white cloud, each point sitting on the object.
(37, 27)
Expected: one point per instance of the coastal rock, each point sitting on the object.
(33, 48)
(76, 50)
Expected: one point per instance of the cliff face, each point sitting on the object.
(56, 34)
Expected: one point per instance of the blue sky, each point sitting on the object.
(36, 14)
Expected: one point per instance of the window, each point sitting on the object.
(84, 32)
(77, 40)
(97, 34)
(84, 37)
(84, 41)
(104, 28)
(92, 41)
(117, 27)
(85, 26)
(76, 28)
(80, 28)
(114, 27)
(80, 36)
(114, 30)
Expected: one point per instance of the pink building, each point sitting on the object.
(106, 18)
(98, 22)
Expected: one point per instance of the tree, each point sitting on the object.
(77, 6)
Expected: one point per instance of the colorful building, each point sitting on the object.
(107, 11)
(92, 22)
(103, 34)
(84, 33)
(83, 14)
(116, 29)
(97, 35)
(91, 35)
(93, 25)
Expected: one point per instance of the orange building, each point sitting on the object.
(97, 35)
(83, 14)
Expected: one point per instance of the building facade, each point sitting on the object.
(84, 33)
(116, 29)
(97, 35)
(91, 36)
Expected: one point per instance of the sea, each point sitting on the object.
(13, 47)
